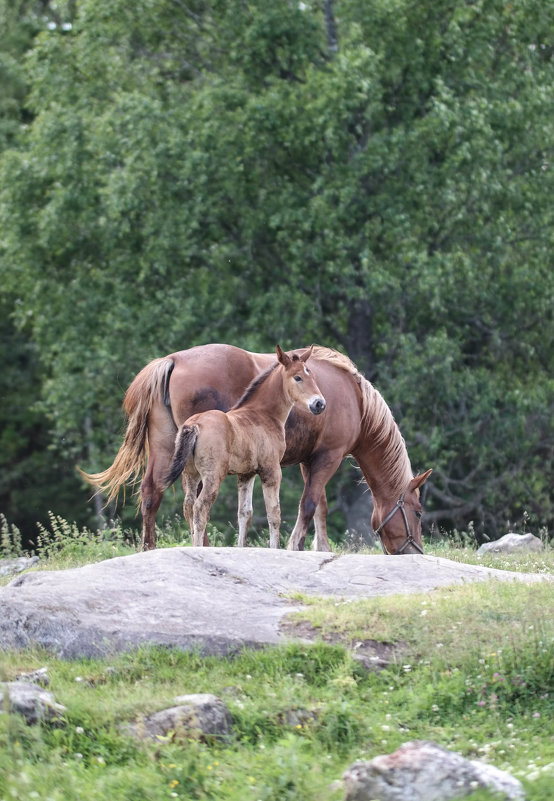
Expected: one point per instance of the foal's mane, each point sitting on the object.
(254, 385)
(378, 424)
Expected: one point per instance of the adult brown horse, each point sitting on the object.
(358, 421)
(246, 441)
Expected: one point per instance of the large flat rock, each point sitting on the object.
(214, 599)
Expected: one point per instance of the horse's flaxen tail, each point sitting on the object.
(184, 448)
(150, 385)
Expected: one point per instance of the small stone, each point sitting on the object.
(32, 702)
(424, 771)
(513, 543)
(198, 715)
(39, 676)
(17, 565)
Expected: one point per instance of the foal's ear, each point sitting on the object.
(418, 481)
(307, 355)
(282, 356)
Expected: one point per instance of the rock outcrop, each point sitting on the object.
(217, 600)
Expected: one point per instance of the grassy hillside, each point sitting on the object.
(469, 667)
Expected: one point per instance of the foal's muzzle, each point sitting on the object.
(317, 405)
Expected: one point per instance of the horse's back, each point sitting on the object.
(211, 377)
(215, 376)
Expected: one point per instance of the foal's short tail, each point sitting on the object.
(150, 385)
(184, 448)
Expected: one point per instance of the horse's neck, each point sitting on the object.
(386, 472)
(270, 398)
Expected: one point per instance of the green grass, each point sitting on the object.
(62, 545)
(541, 562)
(471, 668)
(301, 713)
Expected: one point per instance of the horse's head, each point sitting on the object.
(397, 521)
(299, 382)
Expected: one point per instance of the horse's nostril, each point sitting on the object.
(317, 406)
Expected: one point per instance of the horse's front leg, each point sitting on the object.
(321, 540)
(316, 475)
(245, 487)
(271, 483)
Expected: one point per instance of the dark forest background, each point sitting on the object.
(371, 175)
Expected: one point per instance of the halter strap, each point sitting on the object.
(409, 536)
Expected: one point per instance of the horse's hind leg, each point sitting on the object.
(161, 438)
(245, 487)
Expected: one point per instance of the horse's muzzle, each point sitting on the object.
(409, 549)
(317, 405)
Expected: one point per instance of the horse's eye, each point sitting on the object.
(419, 515)
(297, 378)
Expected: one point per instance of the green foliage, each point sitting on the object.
(10, 540)
(64, 544)
(35, 471)
(211, 171)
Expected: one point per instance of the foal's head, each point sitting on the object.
(299, 383)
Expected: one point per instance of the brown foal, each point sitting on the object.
(246, 441)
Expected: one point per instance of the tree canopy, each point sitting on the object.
(371, 175)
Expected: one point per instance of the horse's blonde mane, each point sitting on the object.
(378, 423)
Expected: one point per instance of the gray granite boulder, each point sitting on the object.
(424, 771)
(198, 715)
(513, 543)
(17, 565)
(31, 701)
(216, 600)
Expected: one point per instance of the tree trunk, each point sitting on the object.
(331, 28)
(359, 337)
(356, 505)
(97, 497)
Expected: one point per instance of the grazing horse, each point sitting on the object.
(246, 441)
(358, 422)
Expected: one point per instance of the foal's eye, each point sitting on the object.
(297, 378)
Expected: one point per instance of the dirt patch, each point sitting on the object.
(372, 654)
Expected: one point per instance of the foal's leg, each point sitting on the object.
(190, 488)
(271, 483)
(246, 487)
(202, 506)
(319, 470)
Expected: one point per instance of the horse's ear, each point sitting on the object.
(418, 481)
(306, 356)
(282, 356)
